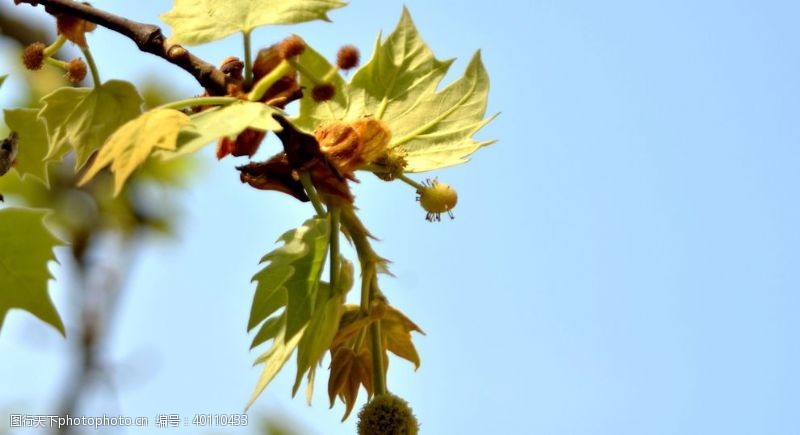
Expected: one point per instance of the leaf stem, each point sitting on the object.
(55, 46)
(268, 80)
(307, 73)
(335, 213)
(305, 179)
(92, 66)
(376, 349)
(56, 63)
(248, 59)
(411, 182)
(202, 101)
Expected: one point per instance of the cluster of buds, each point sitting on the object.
(350, 145)
(70, 28)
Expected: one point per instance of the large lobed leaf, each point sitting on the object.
(26, 246)
(291, 281)
(218, 122)
(131, 145)
(82, 118)
(399, 86)
(32, 143)
(201, 21)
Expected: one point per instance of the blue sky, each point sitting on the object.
(623, 261)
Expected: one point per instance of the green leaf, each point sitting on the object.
(26, 246)
(3, 79)
(318, 335)
(269, 329)
(82, 118)
(200, 21)
(32, 143)
(399, 86)
(131, 145)
(295, 267)
(274, 360)
(230, 120)
(291, 279)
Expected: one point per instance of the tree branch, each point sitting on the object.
(148, 38)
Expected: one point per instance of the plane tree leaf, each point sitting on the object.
(131, 145)
(229, 120)
(26, 246)
(291, 282)
(31, 143)
(433, 129)
(82, 118)
(200, 21)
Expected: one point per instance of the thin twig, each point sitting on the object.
(148, 38)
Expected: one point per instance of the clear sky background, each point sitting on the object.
(623, 261)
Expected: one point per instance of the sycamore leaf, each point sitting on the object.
(32, 143)
(200, 21)
(290, 280)
(131, 145)
(230, 120)
(348, 372)
(396, 335)
(269, 329)
(304, 252)
(82, 118)
(274, 359)
(26, 246)
(323, 326)
(399, 86)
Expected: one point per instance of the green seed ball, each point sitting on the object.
(438, 198)
(387, 414)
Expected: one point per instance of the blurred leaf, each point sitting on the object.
(26, 246)
(32, 143)
(230, 120)
(131, 145)
(3, 79)
(83, 118)
(200, 21)
(398, 85)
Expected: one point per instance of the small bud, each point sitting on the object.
(437, 198)
(76, 70)
(347, 57)
(291, 47)
(74, 28)
(387, 414)
(33, 56)
(176, 52)
(323, 92)
(232, 67)
(392, 164)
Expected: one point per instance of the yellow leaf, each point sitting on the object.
(130, 146)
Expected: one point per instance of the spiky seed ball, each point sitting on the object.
(33, 56)
(291, 47)
(347, 57)
(437, 198)
(323, 92)
(387, 414)
(76, 70)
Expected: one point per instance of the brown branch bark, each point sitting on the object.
(147, 37)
